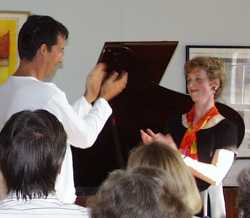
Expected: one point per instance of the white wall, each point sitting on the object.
(92, 22)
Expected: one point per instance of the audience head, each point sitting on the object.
(214, 67)
(136, 194)
(170, 203)
(36, 31)
(32, 148)
(178, 176)
(244, 193)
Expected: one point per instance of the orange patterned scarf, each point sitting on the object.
(188, 145)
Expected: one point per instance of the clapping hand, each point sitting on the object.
(149, 136)
(113, 85)
(94, 82)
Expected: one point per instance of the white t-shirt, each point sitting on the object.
(41, 208)
(82, 121)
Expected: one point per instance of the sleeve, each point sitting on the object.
(214, 172)
(225, 149)
(82, 123)
(82, 107)
(227, 136)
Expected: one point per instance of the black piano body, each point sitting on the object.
(143, 104)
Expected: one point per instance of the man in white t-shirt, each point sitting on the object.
(32, 149)
(41, 42)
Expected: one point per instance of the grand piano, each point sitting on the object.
(143, 104)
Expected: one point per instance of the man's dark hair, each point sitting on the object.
(32, 148)
(38, 30)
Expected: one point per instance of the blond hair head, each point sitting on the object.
(178, 176)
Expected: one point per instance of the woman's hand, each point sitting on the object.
(149, 136)
(146, 138)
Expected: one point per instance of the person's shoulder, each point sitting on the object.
(47, 88)
(227, 124)
(48, 85)
(46, 91)
(226, 133)
(76, 210)
(27, 83)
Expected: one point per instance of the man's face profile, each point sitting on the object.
(55, 56)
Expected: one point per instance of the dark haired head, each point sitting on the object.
(38, 30)
(124, 194)
(32, 148)
(139, 193)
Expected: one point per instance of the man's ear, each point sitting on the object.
(43, 50)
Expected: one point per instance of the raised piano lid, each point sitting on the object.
(141, 105)
(146, 62)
